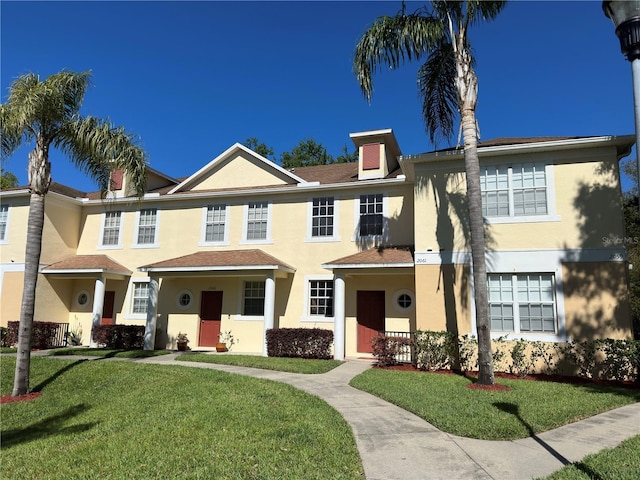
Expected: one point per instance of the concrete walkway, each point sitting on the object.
(397, 445)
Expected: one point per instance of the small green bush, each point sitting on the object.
(126, 337)
(299, 342)
(387, 349)
(435, 350)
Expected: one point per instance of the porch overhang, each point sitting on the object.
(220, 263)
(375, 261)
(87, 266)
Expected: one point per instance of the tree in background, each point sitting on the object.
(346, 157)
(7, 179)
(307, 153)
(630, 206)
(449, 87)
(259, 147)
(45, 114)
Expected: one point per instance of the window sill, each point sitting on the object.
(523, 219)
(249, 318)
(146, 245)
(214, 244)
(317, 320)
(321, 239)
(135, 316)
(530, 337)
(109, 247)
(267, 241)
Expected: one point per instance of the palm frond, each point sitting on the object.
(437, 88)
(391, 41)
(96, 147)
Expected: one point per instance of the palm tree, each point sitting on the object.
(448, 86)
(45, 113)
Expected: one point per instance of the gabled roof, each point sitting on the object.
(220, 260)
(401, 256)
(237, 147)
(87, 264)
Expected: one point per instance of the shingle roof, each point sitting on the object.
(88, 262)
(241, 259)
(380, 256)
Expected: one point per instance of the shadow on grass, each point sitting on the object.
(46, 428)
(44, 383)
(514, 410)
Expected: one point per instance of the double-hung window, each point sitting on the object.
(257, 227)
(4, 221)
(322, 217)
(518, 190)
(522, 303)
(253, 298)
(320, 298)
(371, 215)
(111, 229)
(140, 298)
(215, 224)
(147, 226)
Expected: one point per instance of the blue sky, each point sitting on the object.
(192, 78)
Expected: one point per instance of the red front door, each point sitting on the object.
(210, 318)
(107, 308)
(370, 316)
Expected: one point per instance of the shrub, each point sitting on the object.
(435, 350)
(125, 337)
(621, 358)
(43, 334)
(386, 349)
(467, 353)
(4, 336)
(299, 342)
(522, 361)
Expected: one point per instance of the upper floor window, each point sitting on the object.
(514, 191)
(111, 229)
(321, 298)
(4, 221)
(522, 303)
(253, 299)
(257, 221)
(215, 223)
(147, 226)
(371, 215)
(322, 217)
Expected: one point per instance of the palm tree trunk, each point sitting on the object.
(39, 180)
(476, 230)
(32, 262)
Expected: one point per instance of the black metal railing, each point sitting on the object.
(406, 353)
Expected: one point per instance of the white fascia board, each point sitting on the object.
(83, 271)
(14, 193)
(226, 268)
(224, 155)
(334, 266)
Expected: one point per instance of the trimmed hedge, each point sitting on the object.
(44, 335)
(299, 342)
(123, 337)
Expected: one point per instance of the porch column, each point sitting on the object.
(269, 307)
(152, 308)
(98, 304)
(338, 314)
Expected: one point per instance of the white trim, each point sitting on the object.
(132, 288)
(241, 316)
(5, 240)
(306, 317)
(385, 219)
(335, 266)
(214, 268)
(203, 234)
(88, 303)
(329, 238)
(179, 296)
(136, 232)
(245, 221)
(396, 296)
(9, 268)
(117, 246)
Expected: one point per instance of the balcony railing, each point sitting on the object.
(406, 355)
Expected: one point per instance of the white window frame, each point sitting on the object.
(241, 298)
(5, 238)
(322, 238)
(205, 211)
(130, 315)
(550, 216)
(385, 218)
(181, 294)
(396, 300)
(516, 303)
(118, 245)
(307, 317)
(87, 305)
(245, 225)
(153, 244)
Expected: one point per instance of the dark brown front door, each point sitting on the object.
(370, 318)
(107, 308)
(210, 318)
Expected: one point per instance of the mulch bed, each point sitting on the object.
(19, 398)
(538, 377)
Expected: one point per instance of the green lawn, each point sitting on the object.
(530, 407)
(114, 420)
(294, 365)
(620, 463)
(106, 352)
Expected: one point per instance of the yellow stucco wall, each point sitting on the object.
(11, 297)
